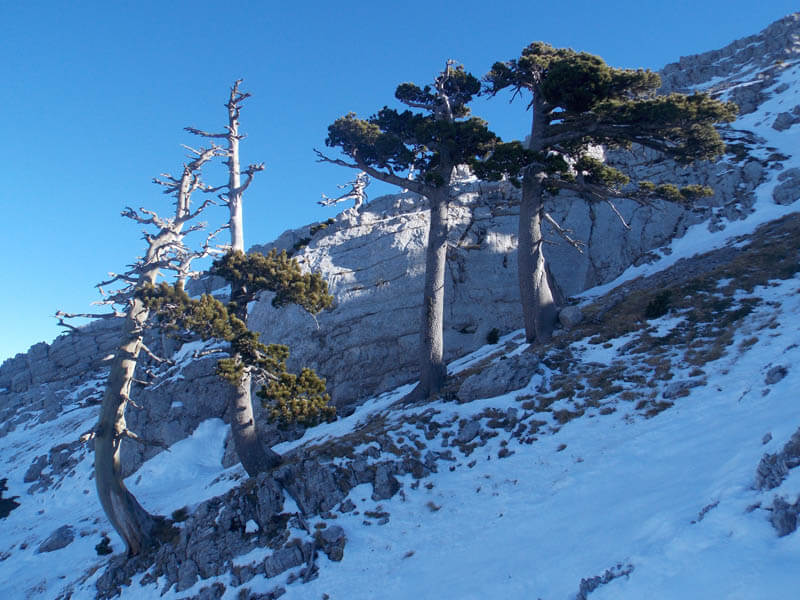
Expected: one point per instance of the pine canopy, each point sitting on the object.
(442, 134)
(291, 398)
(579, 101)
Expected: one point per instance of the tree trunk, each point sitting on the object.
(235, 221)
(133, 523)
(433, 371)
(254, 456)
(538, 305)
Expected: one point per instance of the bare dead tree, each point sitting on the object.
(165, 251)
(232, 198)
(254, 455)
(356, 192)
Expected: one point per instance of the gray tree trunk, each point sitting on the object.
(253, 455)
(539, 309)
(134, 524)
(433, 371)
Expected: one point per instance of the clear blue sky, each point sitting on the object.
(95, 96)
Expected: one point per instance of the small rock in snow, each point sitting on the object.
(60, 538)
(775, 374)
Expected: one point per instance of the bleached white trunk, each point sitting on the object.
(253, 455)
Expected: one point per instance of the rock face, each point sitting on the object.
(754, 60)
(373, 260)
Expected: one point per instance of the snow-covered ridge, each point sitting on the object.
(681, 409)
(745, 59)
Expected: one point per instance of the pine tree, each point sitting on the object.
(248, 275)
(434, 141)
(165, 251)
(578, 101)
(291, 398)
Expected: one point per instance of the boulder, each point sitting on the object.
(60, 538)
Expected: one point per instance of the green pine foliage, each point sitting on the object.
(298, 399)
(292, 398)
(393, 140)
(578, 101)
(274, 272)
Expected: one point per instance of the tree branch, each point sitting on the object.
(401, 182)
(564, 233)
(619, 214)
(158, 359)
(201, 133)
(129, 434)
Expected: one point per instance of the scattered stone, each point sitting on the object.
(592, 583)
(789, 190)
(313, 485)
(785, 120)
(212, 592)
(784, 516)
(499, 377)
(60, 538)
(347, 506)
(385, 485)
(287, 558)
(679, 389)
(773, 468)
(766, 439)
(570, 316)
(36, 468)
(468, 432)
(332, 540)
(775, 374)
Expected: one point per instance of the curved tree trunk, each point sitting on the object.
(433, 371)
(133, 523)
(253, 454)
(539, 309)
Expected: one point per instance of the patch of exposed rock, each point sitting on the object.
(773, 468)
(755, 60)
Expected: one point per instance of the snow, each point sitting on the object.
(188, 474)
(191, 468)
(670, 497)
(536, 523)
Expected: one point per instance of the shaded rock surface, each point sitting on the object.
(60, 538)
(499, 378)
(784, 516)
(773, 468)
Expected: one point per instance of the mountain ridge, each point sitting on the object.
(542, 428)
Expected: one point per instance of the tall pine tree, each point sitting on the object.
(578, 101)
(433, 140)
(249, 275)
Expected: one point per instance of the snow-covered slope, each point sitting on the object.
(646, 453)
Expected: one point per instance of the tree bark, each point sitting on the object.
(234, 187)
(433, 371)
(134, 524)
(253, 454)
(539, 309)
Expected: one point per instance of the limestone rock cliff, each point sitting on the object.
(373, 261)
